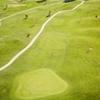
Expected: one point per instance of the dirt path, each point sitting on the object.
(34, 39)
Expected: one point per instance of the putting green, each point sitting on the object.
(37, 84)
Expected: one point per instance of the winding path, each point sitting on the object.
(34, 39)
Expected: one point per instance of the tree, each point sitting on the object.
(26, 16)
(49, 14)
(5, 7)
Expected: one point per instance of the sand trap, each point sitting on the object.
(16, 5)
(37, 84)
(90, 49)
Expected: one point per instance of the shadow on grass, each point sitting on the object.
(40, 1)
(24, 18)
(88, 51)
(13, 26)
(32, 26)
(66, 1)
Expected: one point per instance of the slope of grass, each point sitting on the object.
(14, 30)
(63, 47)
(11, 10)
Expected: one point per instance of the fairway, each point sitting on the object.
(37, 84)
(50, 50)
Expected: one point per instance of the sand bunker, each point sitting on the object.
(16, 5)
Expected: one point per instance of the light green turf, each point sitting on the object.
(63, 47)
(14, 30)
(37, 84)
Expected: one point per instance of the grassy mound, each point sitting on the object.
(37, 84)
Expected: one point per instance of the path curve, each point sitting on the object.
(34, 39)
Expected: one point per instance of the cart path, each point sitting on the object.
(34, 39)
(28, 10)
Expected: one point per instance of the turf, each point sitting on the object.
(63, 47)
(16, 5)
(14, 30)
(37, 84)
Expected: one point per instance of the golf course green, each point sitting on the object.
(37, 84)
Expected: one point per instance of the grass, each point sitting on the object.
(11, 10)
(63, 47)
(37, 84)
(13, 30)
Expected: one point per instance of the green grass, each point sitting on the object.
(63, 47)
(16, 29)
(37, 84)
(12, 10)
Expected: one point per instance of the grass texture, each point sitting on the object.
(69, 46)
(37, 84)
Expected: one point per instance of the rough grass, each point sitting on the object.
(30, 4)
(37, 84)
(65, 50)
(16, 29)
